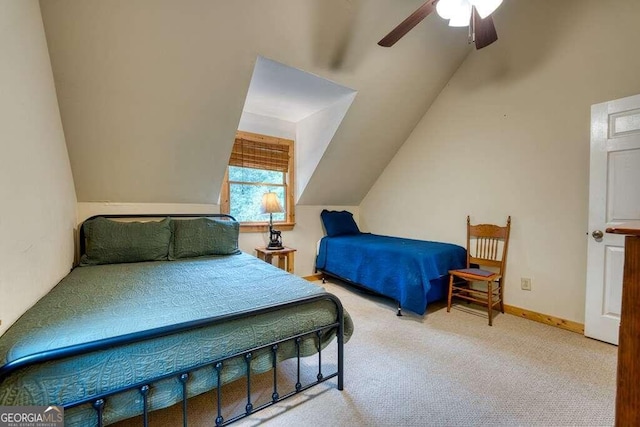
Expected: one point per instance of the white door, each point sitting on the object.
(614, 198)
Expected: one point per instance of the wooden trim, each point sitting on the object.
(250, 136)
(224, 193)
(289, 185)
(260, 227)
(313, 277)
(546, 319)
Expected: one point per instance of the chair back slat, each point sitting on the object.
(486, 247)
(487, 244)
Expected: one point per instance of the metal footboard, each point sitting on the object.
(145, 388)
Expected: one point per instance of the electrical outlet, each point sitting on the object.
(525, 283)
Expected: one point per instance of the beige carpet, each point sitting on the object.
(443, 369)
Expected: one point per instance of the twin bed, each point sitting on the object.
(411, 272)
(115, 338)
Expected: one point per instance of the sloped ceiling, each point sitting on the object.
(151, 91)
(312, 106)
(289, 94)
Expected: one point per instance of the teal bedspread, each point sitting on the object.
(105, 301)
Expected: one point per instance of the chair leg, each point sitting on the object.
(450, 292)
(501, 295)
(490, 301)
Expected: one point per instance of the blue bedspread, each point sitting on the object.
(402, 269)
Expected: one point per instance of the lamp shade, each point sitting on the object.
(270, 203)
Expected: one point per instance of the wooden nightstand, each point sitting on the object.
(285, 257)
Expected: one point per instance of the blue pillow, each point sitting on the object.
(339, 223)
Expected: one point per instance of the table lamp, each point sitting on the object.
(271, 204)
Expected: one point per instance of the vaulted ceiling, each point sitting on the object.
(151, 91)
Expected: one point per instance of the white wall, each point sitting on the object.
(313, 135)
(250, 122)
(509, 135)
(150, 100)
(36, 185)
(303, 237)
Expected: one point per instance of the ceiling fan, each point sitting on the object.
(461, 13)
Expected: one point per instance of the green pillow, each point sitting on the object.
(112, 242)
(203, 236)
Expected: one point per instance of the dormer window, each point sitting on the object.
(259, 164)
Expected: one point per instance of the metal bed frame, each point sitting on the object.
(99, 401)
(359, 287)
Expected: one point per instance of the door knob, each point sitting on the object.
(597, 234)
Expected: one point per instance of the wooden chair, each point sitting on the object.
(483, 250)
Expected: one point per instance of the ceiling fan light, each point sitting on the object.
(462, 16)
(447, 8)
(486, 7)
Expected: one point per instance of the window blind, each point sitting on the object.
(260, 155)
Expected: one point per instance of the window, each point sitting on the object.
(259, 164)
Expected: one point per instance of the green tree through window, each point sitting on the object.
(246, 187)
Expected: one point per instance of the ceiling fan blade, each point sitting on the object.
(484, 30)
(406, 25)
